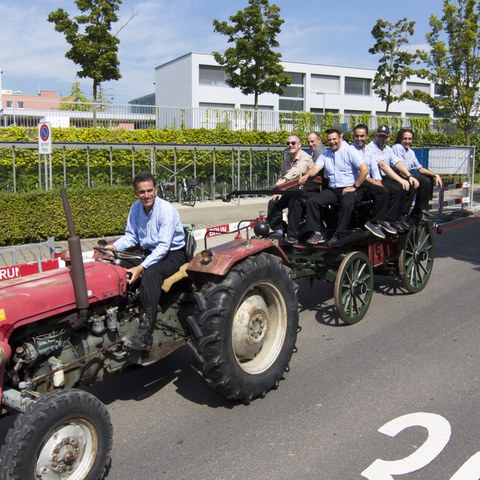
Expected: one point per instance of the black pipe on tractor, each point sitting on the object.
(77, 271)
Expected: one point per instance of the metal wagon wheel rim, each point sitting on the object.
(416, 258)
(353, 287)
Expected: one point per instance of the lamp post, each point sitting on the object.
(1, 96)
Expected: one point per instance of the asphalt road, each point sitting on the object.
(412, 360)
(409, 368)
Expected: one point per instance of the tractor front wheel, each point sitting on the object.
(66, 434)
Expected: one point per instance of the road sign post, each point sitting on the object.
(45, 147)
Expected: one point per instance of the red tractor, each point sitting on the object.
(235, 305)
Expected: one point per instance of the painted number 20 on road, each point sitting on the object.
(439, 431)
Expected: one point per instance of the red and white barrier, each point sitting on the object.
(460, 199)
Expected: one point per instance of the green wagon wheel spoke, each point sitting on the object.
(353, 287)
(416, 258)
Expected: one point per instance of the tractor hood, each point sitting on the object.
(33, 298)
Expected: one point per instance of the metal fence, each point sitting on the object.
(218, 168)
(133, 117)
(456, 165)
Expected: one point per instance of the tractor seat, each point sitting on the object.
(176, 277)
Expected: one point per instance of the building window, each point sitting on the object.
(9, 104)
(440, 89)
(413, 115)
(212, 76)
(216, 105)
(325, 84)
(290, 105)
(291, 98)
(244, 106)
(357, 112)
(424, 87)
(319, 111)
(357, 86)
(390, 114)
(293, 92)
(20, 104)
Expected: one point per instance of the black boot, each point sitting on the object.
(143, 336)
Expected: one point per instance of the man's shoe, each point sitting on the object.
(291, 240)
(428, 214)
(398, 226)
(375, 229)
(316, 239)
(142, 339)
(387, 227)
(421, 215)
(336, 239)
(277, 233)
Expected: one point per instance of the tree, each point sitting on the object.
(93, 46)
(454, 64)
(396, 61)
(77, 100)
(252, 65)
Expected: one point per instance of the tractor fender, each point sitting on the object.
(219, 260)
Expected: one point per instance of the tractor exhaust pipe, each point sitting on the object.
(77, 270)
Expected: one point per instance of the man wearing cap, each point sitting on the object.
(372, 188)
(295, 164)
(400, 189)
(345, 170)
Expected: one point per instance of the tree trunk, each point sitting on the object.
(95, 86)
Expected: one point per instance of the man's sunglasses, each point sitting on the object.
(290, 143)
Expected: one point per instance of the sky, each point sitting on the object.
(32, 53)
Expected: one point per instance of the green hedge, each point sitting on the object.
(35, 216)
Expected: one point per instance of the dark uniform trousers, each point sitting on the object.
(154, 276)
(313, 203)
(422, 195)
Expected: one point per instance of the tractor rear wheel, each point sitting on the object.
(246, 328)
(66, 434)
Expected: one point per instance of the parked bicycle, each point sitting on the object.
(188, 192)
(166, 190)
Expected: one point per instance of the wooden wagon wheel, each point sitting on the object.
(415, 262)
(353, 287)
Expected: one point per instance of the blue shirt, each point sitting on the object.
(372, 165)
(407, 156)
(341, 167)
(376, 154)
(160, 231)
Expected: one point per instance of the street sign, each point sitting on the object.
(44, 138)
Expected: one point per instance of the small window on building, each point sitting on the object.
(297, 78)
(413, 115)
(440, 89)
(424, 87)
(9, 104)
(289, 99)
(357, 86)
(290, 105)
(357, 112)
(244, 106)
(216, 105)
(390, 114)
(292, 92)
(211, 75)
(325, 84)
(20, 104)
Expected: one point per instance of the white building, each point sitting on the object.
(196, 80)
